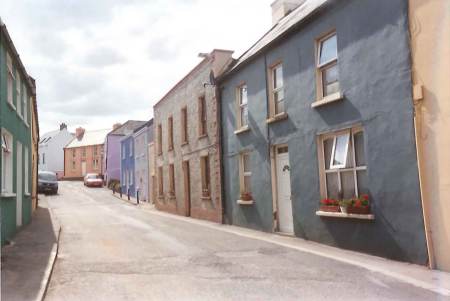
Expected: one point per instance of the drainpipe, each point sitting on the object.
(219, 133)
(417, 95)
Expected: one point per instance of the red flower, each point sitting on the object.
(365, 197)
(358, 203)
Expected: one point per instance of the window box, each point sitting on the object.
(245, 203)
(330, 209)
(328, 99)
(242, 130)
(345, 215)
(278, 117)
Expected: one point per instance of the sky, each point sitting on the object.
(99, 62)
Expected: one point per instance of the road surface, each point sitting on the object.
(112, 250)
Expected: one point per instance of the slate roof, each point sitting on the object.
(48, 136)
(89, 138)
(127, 128)
(279, 30)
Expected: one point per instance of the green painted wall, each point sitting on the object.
(16, 126)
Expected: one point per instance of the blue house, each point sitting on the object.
(320, 110)
(127, 171)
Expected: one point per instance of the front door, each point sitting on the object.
(19, 186)
(283, 180)
(187, 188)
(83, 168)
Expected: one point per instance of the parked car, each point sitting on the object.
(93, 180)
(47, 182)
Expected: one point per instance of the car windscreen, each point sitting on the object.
(90, 177)
(47, 177)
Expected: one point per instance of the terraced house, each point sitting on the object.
(19, 136)
(321, 110)
(187, 154)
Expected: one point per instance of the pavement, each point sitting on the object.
(115, 250)
(28, 261)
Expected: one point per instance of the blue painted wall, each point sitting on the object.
(375, 77)
(127, 166)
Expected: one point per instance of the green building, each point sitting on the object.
(16, 98)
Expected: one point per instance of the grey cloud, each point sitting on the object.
(103, 57)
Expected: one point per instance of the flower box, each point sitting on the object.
(358, 210)
(330, 208)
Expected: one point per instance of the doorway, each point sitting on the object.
(83, 168)
(19, 186)
(283, 184)
(187, 188)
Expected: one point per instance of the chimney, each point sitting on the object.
(116, 126)
(62, 126)
(79, 132)
(281, 8)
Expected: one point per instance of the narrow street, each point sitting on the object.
(112, 250)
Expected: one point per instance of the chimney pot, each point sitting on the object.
(62, 126)
(79, 132)
(116, 126)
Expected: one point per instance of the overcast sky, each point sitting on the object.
(97, 62)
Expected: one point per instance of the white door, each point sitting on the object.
(83, 168)
(285, 218)
(19, 186)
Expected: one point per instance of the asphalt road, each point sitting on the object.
(111, 250)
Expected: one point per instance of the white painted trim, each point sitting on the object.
(247, 203)
(328, 99)
(345, 215)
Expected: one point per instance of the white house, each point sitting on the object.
(51, 150)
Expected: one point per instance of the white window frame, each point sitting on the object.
(131, 148)
(27, 171)
(123, 151)
(241, 106)
(18, 93)
(355, 169)
(276, 89)
(333, 153)
(321, 67)
(25, 104)
(242, 173)
(7, 151)
(10, 81)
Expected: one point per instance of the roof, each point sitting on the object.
(48, 136)
(147, 124)
(127, 127)
(279, 30)
(89, 138)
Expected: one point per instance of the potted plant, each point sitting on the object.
(246, 196)
(329, 205)
(344, 204)
(360, 205)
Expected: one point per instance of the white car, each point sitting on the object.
(93, 180)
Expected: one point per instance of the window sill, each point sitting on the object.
(27, 194)
(328, 99)
(345, 215)
(202, 136)
(7, 195)
(206, 198)
(184, 143)
(12, 106)
(278, 117)
(245, 203)
(242, 130)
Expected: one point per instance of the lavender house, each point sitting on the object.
(111, 164)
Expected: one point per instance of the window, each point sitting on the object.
(43, 158)
(25, 104)
(130, 178)
(27, 171)
(7, 162)
(277, 89)
(242, 101)
(202, 116)
(343, 164)
(10, 80)
(160, 182)
(83, 152)
(159, 139)
(131, 148)
(327, 68)
(74, 153)
(18, 94)
(204, 166)
(123, 151)
(170, 132)
(245, 174)
(95, 163)
(74, 165)
(171, 179)
(95, 151)
(184, 126)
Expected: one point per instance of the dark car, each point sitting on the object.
(47, 182)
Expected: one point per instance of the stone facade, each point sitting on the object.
(188, 197)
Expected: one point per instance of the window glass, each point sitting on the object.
(348, 184)
(278, 77)
(340, 151)
(332, 185)
(247, 184)
(243, 95)
(246, 161)
(328, 150)
(328, 50)
(363, 187)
